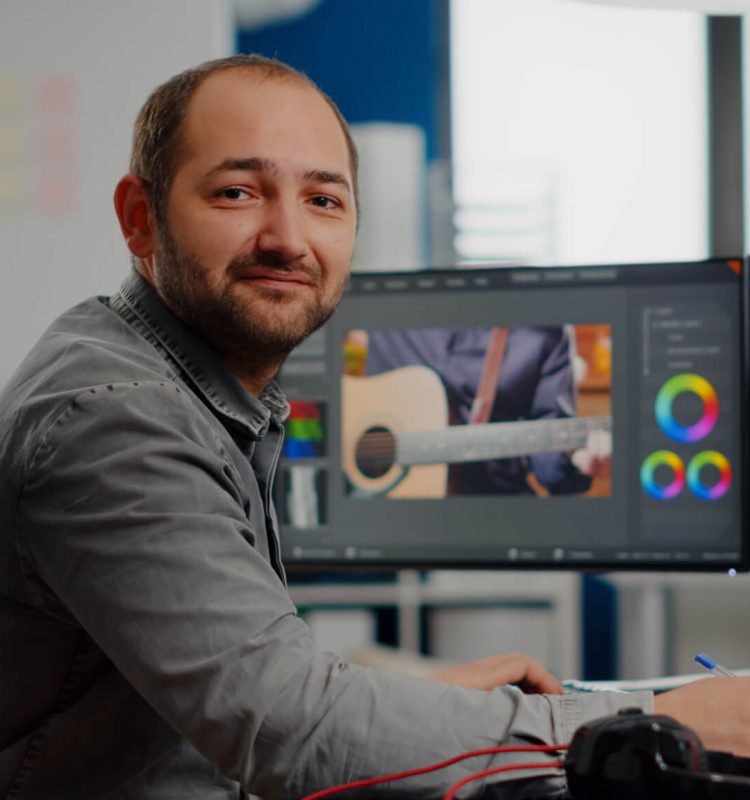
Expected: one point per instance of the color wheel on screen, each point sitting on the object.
(694, 476)
(673, 388)
(673, 474)
(670, 460)
(695, 479)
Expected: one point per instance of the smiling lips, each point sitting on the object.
(277, 277)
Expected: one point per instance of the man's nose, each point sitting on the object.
(282, 230)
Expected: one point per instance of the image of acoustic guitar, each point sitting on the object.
(397, 442)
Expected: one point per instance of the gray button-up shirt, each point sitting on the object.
(148, 646)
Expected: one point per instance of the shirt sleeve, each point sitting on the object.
(554, 397)
(135, 520)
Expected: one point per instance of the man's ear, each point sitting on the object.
(133, 207)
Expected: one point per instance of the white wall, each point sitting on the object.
(73, 74)
(666, 618)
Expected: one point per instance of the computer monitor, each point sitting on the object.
(562, 417)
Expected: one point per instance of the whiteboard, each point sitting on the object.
(73, 75)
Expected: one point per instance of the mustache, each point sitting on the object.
(244, 264)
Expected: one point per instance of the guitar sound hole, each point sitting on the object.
(375, 452)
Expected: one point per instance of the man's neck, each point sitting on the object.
(253, 377)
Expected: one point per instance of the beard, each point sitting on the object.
(254, 327)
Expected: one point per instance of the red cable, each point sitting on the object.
(451, 793)
(397, 776)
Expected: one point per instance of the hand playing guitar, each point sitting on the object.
(595, 457)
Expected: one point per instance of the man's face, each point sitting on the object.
(260, 218)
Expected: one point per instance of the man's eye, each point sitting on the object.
(233, 193)
(324, 202)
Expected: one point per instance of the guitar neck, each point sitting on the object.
(464, 443)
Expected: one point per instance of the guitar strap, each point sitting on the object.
(487, 388)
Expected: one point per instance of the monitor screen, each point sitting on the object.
(587, 417)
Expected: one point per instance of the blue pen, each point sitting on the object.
(708, 663)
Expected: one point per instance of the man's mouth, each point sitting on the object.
(275, 278)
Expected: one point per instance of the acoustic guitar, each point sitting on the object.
(396, 439)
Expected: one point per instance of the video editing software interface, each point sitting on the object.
(569, 416)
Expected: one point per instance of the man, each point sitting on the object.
(149, 646)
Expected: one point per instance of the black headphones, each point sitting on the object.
(636, 756)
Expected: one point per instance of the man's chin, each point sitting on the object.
(282, 327)
(277, 318)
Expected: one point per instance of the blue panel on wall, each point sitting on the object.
(599, 629)
(378, 59)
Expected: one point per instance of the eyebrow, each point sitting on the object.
(244, 165)
(323, 176)
(269, 167)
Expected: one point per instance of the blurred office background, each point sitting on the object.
(503, 131)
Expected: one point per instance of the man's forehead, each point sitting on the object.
(236, 88)
(235, 102)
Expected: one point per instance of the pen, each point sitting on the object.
(708, 663)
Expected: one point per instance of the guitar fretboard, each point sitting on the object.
(464, 443)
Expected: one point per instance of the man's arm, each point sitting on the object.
(554, 397)
(500, 670)
(717, 709)
(136, 523)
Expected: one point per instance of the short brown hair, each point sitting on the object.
(157, 143)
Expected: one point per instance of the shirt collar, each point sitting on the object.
(202, 365)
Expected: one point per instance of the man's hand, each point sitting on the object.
(717, 709)
(487, 673)
(595, 457)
